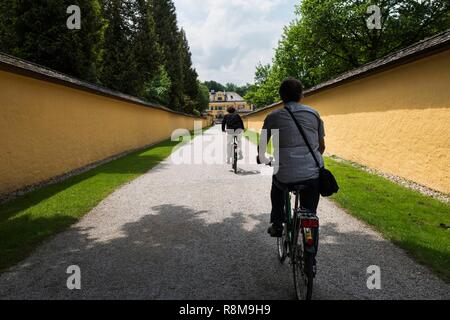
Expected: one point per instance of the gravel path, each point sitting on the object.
(199, 232)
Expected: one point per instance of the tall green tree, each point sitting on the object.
(214, 86)
(145, 47)
(242, 90)
(190, 83)
(132, 46)
(265, 90)
(229, 87)
(159, 87)
(203, 97)
(169, 38)
(330, 37)
(7, 33)
(36, 30)
(119, 67)
(333, 35)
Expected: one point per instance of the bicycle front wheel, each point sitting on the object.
(303, 272)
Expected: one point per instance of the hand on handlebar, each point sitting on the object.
(270, 163)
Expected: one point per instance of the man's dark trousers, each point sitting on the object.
(309, 198)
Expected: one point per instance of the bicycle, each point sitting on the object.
(235, 154)
(299, 242)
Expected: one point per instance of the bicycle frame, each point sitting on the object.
(289, 218)
(308, 224)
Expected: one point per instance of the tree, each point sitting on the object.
(229, 87)
(145, 47)
(330, 37)
(158, 88)
(7, 34)
(262, 73)
(36, 30)
(203, 97)
(265, 90)
(242, 90)
(119, 67)
(132, 46)
(214, 86)
(169, 39)
(190, 83)
(334, 35)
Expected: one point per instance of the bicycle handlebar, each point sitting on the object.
(270, 164)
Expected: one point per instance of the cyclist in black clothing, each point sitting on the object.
(232, 124)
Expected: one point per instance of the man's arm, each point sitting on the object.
(263, 141)
(242, 123)
(321, 137)
(322, 145)
(224, 122)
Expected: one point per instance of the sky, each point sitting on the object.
(229, 37)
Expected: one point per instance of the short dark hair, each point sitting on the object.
(291, 90)
(231, 110)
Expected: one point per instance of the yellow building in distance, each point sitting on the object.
(220, 101)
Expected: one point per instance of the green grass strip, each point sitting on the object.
(27, 221)
(411, 220)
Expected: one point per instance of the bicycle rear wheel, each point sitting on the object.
(303, 271)
(235, 159)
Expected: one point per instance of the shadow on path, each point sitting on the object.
(242, 172)
(175, 252)
(170, 253)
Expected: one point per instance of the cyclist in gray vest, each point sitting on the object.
(295, 163)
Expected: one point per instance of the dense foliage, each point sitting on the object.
(229, 87)
(132, 46)
(330, 37)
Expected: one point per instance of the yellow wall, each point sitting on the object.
(397, 121)
(49, 129)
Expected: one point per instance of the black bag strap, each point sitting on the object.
(300, 128)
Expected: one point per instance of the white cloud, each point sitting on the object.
(229, 37)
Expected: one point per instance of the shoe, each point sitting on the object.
(275, 230)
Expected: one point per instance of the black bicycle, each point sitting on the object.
(235, 154)
(299, 242)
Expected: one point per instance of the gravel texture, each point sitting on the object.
(199, 232)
